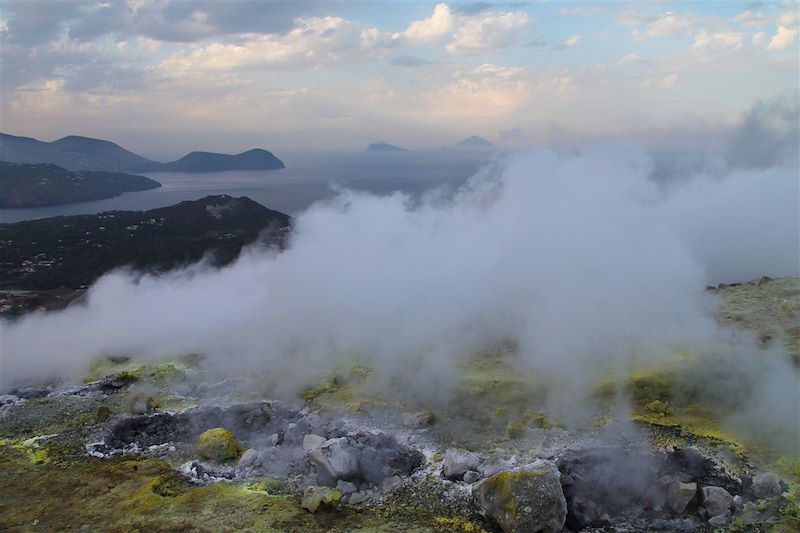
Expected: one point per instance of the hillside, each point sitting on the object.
(25, 185)
(84, 153)
(255, 159)
(73, 251)
(384, 147)
(73, 153)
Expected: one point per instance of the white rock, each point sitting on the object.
(337, 458)
(312, 441)
(457, 462)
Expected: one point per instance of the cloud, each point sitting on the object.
(168, 20)
(524, 254)
(669, 81)
(768, 135)
(489, 33)
(665, 25)
(571, 42)
(578, 11)
(409, 61)
(438, 26)
(723, 40)
(312, 42)
(759, 38)
(750, 18)
(783, 39)
(477, 32)
(630, 59)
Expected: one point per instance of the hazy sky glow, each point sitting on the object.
(165, 76)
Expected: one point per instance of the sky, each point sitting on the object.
(162, 77)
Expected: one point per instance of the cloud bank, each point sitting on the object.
(577, 259)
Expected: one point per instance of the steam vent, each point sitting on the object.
(395, 266)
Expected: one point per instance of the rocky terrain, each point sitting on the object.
(173, 446)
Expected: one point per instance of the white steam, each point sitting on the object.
(579, 260)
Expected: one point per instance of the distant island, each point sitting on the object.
(384, 147)
(24, 185)
(255, 159)
(474, 143)
(73, 251)
(84, 153)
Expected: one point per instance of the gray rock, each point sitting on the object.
(495, 465)
(767, 485)
(720, 520)
(273, 439)
(346, 487)
(336, 458)
(391, 484)
(471, 476)
(8, 399)
(527, 499)
(250, 459)
(312, 441)
(457, 462)
(418, 420)
(678, 495)
(738, 503)
(357, 497)
(716, 500)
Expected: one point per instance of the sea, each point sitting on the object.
(307, 178)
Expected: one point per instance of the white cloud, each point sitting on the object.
(722, 40)
(313, 42)
(670, 24)
(788, 26)
(630, 59)
(572, 41)
(665, 25)
(749, 18)
(489, 32)
(759, 38)
(669, 81)
(439, 25)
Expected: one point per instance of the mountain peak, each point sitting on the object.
(474, 142)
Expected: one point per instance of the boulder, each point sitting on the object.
(767, 485)
(524, 500)
(312, 441)
(8, 399)
(315, 498)
(457, 462)
(471, 476)
(218, 444)
(250, 459)
(391, 484)
(679, 494)
(716, 500)
(495, 465)
(337, 458)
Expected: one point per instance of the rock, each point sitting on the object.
(767, 485)
(274, 439)
(218, 444)
(250, 459)
(738, 502)
(357, 497)
(315, 498)
(8, 399)
(678, 495)
(336, 458)
(418, 420)
(391, 484)
(716, 500)
(457, 462)
(346, 487)
(471, 476)
(720, 520)
(523, 500)
(495, 465)
(312, 441)
(582, 513)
